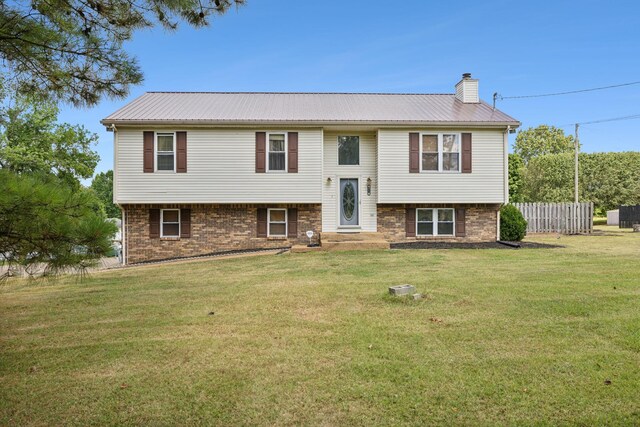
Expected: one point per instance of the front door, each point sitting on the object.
(349, 202)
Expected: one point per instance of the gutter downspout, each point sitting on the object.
(123, 247)
(123, 238)
(505, 179)
(506, 164)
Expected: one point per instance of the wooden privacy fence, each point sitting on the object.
(629, 215)
(565, 218)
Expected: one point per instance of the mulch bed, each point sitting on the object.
(466, 245)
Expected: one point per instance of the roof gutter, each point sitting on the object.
(313, 123)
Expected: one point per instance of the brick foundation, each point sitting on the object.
(481, 223)
(214, 228)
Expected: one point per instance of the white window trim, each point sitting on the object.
(162, 223)
(286, 152)
(338, 150)
(441, 152)
(156, 151)
(435, 222)
(286, 222)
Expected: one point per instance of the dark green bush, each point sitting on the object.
(513, 226)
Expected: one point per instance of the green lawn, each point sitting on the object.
(528, 336)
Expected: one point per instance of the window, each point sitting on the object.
(277, 152)
(445, 222)
(277, 222)
(450, 152)
(434, 222)
(348, 150)
(430, 153)
(170, 222)
(441, 152)
(165, 152)
(425, 222)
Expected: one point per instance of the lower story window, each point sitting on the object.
(277, 222)
(170, 223)
(435, 222)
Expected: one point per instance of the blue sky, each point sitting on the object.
(420, 46)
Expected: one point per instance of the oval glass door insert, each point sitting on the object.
(348, 201)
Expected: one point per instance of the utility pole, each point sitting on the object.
(575, 179)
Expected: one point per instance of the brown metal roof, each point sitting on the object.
(305, 108)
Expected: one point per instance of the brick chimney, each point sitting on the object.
(467, 89)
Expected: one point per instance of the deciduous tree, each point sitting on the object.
(32, 141)
(102, 185)
(606, 179)
(516, 178)
(544, 139)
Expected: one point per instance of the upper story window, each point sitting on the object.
(170, 223)
(277, 152)
(165, 152)
(430, 154)
(440, 152)
(348, 150)
(434, 222)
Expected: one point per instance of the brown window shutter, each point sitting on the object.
(411, 222)
(185, 223)
(154, 223)
(460, 223)
(181, 152)
(261, 152)
(147, 138)
(466, 153)
(414, 152)
(292, 141)
(262, 222)
(292, 219)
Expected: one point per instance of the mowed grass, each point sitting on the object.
(528, 336)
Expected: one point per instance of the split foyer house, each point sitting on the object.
(199, 173)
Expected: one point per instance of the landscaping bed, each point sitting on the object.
(476, 245)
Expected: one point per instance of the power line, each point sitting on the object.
(498, 96)
(613, 119)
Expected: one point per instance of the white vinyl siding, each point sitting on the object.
(467, 91)
(221, 169)
(484, 185)
(365, 170)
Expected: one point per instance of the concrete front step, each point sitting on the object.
(350, 237)
(350, 241)
(367, 245)
(298, 249)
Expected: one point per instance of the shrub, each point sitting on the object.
(513, 226)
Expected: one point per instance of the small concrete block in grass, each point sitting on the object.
(402, 290)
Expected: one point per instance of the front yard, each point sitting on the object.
(527, 336)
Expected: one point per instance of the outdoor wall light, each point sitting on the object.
(329, 180)
(369, 186)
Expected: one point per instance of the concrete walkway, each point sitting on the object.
(112, 263)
